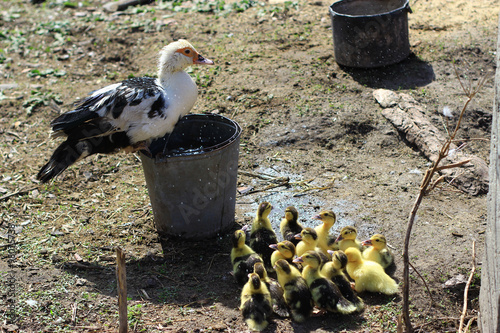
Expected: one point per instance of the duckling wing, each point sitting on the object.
(260, 240)
(327, 296)
(299, 299)
(345, 289)
(243, 266)
(256, 310)
(278, 299)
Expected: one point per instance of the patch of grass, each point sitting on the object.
(40, 98)
(134, 314)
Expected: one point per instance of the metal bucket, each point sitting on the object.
(191, 177)
(370, 33)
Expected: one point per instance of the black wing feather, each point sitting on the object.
(130, 92)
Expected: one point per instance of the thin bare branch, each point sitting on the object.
(453, 165)
(467, 286)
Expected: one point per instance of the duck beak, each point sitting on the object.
(339, 238)
(298, 260)
(298, 236)
(202, 61)
(273, 246)
(316, 217)
(366, 242)
(330, 252)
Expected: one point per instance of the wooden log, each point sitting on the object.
(121, 278)
(115, 6)
(489, 297)
(410, 119)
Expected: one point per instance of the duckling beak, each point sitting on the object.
(200, 60)
(245, 227)
(273, 246)
(297, 236)
(330, 252)
(316, 217)
(366, 242)
(298, 260)
(339, 238)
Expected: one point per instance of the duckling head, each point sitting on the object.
(286, 248)
(311, 258)
(353, 254)
(264, 209)
(308, 235)
(347, 233)
(259, 268)
(238, 238)
(291, 213)
(339, 259)
(326, 216)
(378, 242)
(254, 280)
(282, 266)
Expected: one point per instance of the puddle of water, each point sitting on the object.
(308, 205)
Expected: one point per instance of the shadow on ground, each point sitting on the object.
(411, 73)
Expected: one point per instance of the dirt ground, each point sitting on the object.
(303, 117)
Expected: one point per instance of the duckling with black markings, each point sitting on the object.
(377, 251)
(296, 293)
(282, 250)
(368, 275)
(262, 234)
(309, 242)
(325, 294)
(243, 258)
(255, 303)
(334, 270)
(278, 300)
(290, 226)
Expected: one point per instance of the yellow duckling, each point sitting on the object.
(308, 241)
(243, 258)
(325, 240)
(325, 294)
(255, 303)
(282, 250)
(334, 270)
(377, 251)
(275, 289)
(290, 225)
(296, 293)
(368, 275)
(347, 239)
(262, 234)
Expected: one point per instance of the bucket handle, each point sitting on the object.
(407, 7)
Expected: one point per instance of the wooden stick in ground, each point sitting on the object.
(121, 277)
(467, 286)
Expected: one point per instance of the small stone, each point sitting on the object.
(57, 233)
(81, 282)
(386, 98)
(456, 283)
(56, 258)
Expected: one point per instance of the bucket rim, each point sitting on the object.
(406, 6)
(160, 158)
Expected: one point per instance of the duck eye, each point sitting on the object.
(187, 51)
